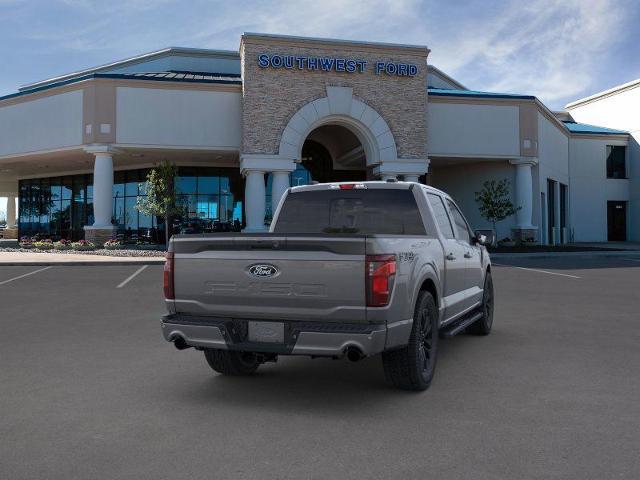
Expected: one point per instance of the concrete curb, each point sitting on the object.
(617, 253)
(91, 263)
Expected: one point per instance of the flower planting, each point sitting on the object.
(83, 245)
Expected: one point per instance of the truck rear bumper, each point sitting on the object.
(300, 338)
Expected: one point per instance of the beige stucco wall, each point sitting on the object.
(619, 110)
(178, 117)
(590, 189)
(461, 129)
(45, 123)
(272, 96)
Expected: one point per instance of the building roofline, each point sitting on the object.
(588, 129)
(448, 78)
(132, 61)
(336, 41)
(445, 92)
(542, 108)
(604, 93)
(120, 76)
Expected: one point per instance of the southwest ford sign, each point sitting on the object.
(334, 64)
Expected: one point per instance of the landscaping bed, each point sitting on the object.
(548, 248)
(124, 252)
(111, 248)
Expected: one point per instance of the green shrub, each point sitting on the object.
(83, 245)
(62, 245)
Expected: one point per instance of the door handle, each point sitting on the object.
(451, 256)
(467, 255)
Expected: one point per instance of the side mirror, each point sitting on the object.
(484, 237)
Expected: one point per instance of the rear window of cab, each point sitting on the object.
(356, 211)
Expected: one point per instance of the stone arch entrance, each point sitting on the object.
(339, 111)
(340, 108)
(332, 153)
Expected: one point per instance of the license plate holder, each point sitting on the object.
(266, 332)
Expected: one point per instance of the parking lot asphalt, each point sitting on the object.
(90, 390)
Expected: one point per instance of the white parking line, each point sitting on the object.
(536, 270)
(25, 275)
(131, 277)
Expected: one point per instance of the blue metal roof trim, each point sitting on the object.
(444, 92)
(585, 128)
(229, 79)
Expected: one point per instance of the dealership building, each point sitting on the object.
(244, 126)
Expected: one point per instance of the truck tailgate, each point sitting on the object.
(271, 276)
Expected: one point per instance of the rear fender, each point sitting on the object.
(429, 272)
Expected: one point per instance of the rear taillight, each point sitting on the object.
(169, 292)
(380, 273)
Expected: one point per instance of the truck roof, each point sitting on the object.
(373, 184)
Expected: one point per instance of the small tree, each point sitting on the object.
(160, 199)
(494, 202)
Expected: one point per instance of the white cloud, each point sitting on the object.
(546, 48)
(349, 19)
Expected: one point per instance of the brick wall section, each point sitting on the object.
(272, 96)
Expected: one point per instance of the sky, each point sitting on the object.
(557, 50)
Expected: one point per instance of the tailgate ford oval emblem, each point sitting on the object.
(263, 270)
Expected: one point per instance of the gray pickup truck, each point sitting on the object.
(347, 270)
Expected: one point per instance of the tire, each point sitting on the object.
(231, 363)
(412, 367)
(483, 326)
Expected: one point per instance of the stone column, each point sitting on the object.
(409, 169)
(254, 200)
(11, 232)
(524, 228)
(11, 212)
(253, 166)
(279, 185)
(102, 228)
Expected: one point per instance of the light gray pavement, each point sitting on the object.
(89, 389)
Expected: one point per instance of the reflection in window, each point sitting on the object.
(60, 207)
(211, 199)
(440, 214)
(459, 222)
(616, 164)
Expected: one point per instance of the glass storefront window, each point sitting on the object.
(89, 186)
(131, 185)
(186, 185)
(67, 189)
(60, 207)
(208, 185)
(79, 188)
(131, 214)
(118, 184)
(118, 213)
